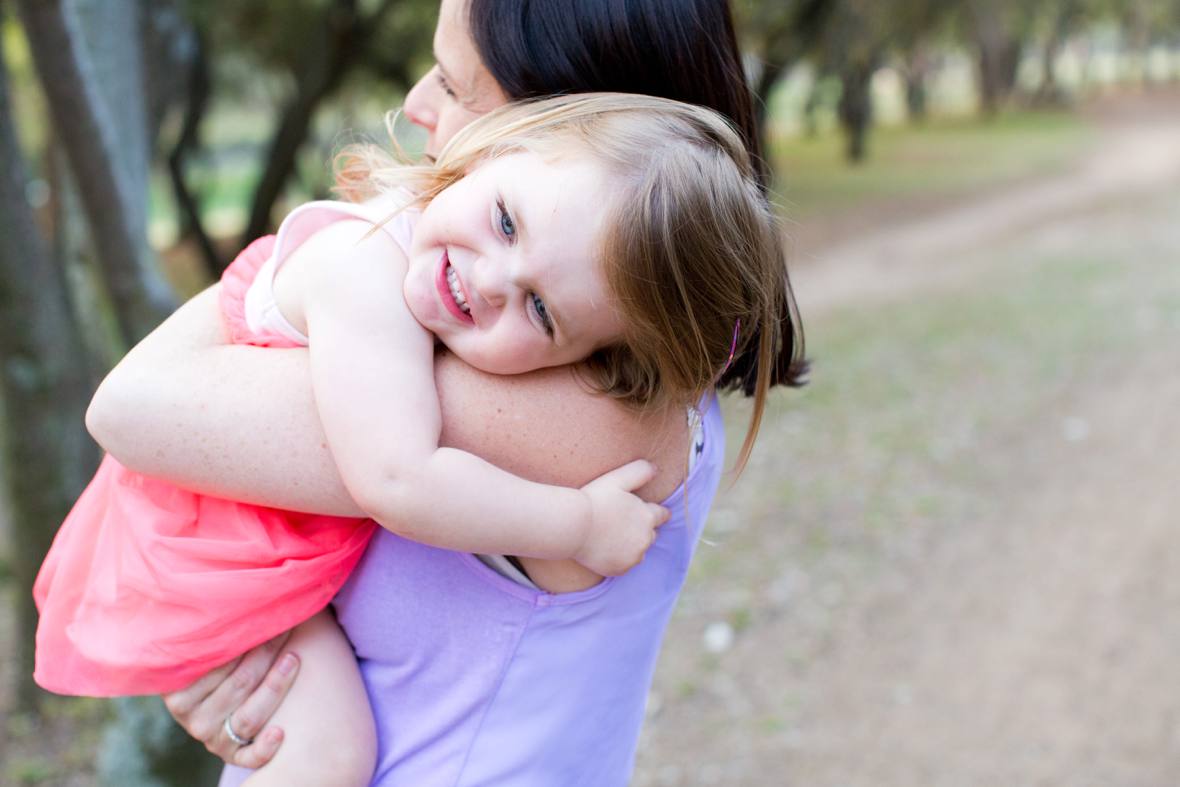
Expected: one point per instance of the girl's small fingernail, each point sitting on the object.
(287, 664)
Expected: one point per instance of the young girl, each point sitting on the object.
(542, 240)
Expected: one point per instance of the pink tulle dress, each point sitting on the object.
(148, 586)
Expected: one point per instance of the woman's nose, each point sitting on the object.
(420, 105)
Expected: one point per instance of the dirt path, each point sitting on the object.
(1138, 151)
(1037, 646)
(1030, 640)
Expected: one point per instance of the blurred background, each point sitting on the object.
(951, 561)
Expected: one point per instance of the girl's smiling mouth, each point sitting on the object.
(451, 291)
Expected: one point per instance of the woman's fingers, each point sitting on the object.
(250, 688)
(249, 718)
(236, 687)
(183, 702)
(259, 752)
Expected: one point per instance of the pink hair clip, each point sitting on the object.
(737, 326)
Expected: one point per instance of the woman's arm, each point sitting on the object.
(372, 375)
(230, 420)
(240, 422)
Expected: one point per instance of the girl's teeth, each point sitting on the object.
(456, 292)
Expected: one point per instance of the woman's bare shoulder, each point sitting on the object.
(548, 426)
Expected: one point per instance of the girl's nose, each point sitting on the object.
(489, 281)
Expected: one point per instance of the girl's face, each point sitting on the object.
(459, 88)
(504, 265)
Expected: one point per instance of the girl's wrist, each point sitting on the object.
(582, 517)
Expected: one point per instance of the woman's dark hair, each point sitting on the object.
(684, 50)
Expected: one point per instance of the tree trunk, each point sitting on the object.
(767, 79)
(856, 108)
(196, 89)
(346, 34)
(96, 95)
(997, 56)
(95, 99)
(917, 71)
(1068, 14)
(45, 388)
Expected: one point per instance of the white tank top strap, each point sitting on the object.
(262, 312)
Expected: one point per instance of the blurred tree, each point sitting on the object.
(181, 82)
(44, 384)
(197, 86)
(918, 26)
(96, 99)
(94, 60)
(312, 49)
(1062, 18)
(857, 38)
(776, 35)
(340, 39)
(1143, 24)
(854, 46)
(999, 29)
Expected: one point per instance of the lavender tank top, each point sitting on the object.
(475, 680)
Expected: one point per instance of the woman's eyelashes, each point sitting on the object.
(442, 83)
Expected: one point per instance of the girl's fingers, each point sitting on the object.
(633, 475)
(660, 513)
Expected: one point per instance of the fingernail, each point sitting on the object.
(287, 664)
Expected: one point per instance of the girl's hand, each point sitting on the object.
(250, 688)
(622, 526)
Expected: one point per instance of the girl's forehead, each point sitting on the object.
(544, 158)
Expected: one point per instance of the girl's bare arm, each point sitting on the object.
(240, 422)
(373, 381)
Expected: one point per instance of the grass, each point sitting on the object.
(58, 748)
(943, 159)
(919, 413)
(907, 396)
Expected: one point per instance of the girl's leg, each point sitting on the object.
(329, 733)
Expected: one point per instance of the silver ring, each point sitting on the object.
(233, 736)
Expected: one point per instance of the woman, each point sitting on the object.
(553, 693)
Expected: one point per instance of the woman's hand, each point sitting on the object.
(250, 688)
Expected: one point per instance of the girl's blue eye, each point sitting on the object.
(507, 225)
(542, 312)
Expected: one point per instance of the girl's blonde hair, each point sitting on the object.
(691, 250)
